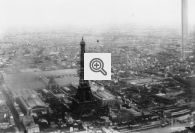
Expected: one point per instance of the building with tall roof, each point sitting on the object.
(30, 102)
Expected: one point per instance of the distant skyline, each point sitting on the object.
(29, 14)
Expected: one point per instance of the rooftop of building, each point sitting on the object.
(32, 80)
(2, 99)
(100, 92)
(142, 81)
(31, 99)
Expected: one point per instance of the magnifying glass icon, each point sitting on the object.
(97, 65)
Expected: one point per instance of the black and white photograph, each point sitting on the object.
(97, 66)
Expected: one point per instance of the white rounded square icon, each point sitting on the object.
(97, 66)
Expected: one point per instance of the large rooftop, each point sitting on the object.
(32, 80)
(2, 99)
(100, 92)
(31, 99)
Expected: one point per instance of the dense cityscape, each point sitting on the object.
(97, 66)
(43, 90)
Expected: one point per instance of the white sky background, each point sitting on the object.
(52, 13)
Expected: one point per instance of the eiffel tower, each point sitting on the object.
(84, 100)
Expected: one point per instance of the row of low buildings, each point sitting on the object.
(7, 122)
(30, 103)
(27, 105)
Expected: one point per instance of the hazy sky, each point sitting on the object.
(52, 13)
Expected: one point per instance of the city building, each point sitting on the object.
(29, 125)
(30, 102)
